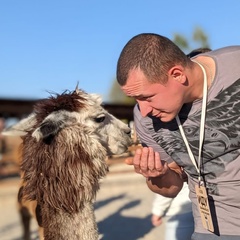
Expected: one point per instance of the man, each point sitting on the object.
(173, 94)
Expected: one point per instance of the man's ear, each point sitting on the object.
(177, 74)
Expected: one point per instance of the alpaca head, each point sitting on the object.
(70, 109)
(65, 142)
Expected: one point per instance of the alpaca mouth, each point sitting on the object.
(126, 145)
(124, 148)
(119, 147)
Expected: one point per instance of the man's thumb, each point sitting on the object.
(129, 161)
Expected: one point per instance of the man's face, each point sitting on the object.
(161, 101)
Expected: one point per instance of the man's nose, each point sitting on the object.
(145, 109)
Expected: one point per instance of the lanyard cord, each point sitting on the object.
(202, 124)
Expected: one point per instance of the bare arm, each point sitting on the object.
(169, 183)
(162, 178)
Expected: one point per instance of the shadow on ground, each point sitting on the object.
(118, 227)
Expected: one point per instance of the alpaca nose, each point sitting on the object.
(128, 131)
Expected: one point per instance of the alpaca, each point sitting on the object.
(66, 141)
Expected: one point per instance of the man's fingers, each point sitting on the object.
(137, 159)
(144, 159)
(137, 156)
(151, 157)
(129, 160)
(158, 163)
(146, 162)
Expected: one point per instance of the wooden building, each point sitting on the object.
(18, 108)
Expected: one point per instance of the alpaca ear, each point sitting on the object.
(96, 97)
(47, 130)
(77, 89)
(22, 127)
(52, 124)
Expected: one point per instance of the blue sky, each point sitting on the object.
(50, 45)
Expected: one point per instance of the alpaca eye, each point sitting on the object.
(100, 119)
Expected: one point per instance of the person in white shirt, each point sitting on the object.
(179, 222)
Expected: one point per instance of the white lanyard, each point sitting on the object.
(202, 124)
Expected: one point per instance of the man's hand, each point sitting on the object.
(156, 220)
(148, 163)
(162, 178)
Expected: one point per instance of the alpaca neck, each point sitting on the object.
(61, 225)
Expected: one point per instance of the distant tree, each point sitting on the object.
(199, 40)
(116, 95)
(181, 41)
(201, 37)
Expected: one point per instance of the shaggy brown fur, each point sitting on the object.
(64, 155)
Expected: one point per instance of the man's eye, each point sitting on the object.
(99, 119)
(147, 99)
(143, 98)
